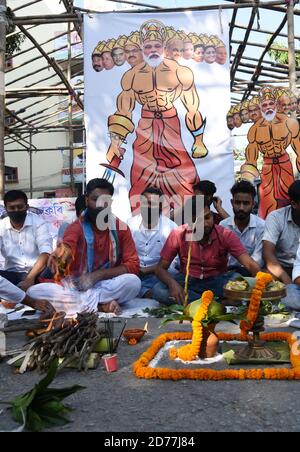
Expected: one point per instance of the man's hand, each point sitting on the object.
(115, 149)
(217, 203)
(176, 292)
(59, 259)
(26, 284)
(40, 305)
(199, 149)
(86, 281)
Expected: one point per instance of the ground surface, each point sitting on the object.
(120, 402)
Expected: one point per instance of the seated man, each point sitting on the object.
(207, 189)
(9, 292)
(292, 300)
(25, 241)
(208, 262)
(248, 227)
(150, 230)
(79, 208)
(281, 237)
(103, 262)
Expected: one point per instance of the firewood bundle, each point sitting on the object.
(72, 344)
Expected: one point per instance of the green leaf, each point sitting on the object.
(175, 318)
(34, 423)
(43, 384)
(59, 394)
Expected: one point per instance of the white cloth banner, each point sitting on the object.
(143, 72)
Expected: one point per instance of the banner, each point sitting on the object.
(273, 133)
(157, 89)
(54, 211)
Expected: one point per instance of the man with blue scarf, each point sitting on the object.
(101, 259)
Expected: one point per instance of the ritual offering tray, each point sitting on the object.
(241, 290)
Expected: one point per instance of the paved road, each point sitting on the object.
(120, 402)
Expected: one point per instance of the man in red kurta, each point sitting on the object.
(208, 266)
(101, 258)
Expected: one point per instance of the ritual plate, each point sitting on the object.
(244, 295)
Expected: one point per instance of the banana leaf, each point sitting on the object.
(41, 407)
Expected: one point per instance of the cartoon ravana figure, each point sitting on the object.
(159, 156)
(272, 135)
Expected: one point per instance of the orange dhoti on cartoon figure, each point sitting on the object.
(159, 156)
(277, 176)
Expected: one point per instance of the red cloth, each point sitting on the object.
(74, 238)
(160, 158)
(207, 260)
(277, 176)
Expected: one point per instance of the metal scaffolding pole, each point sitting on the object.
(70, 116)
(291, 46)
(2, 93)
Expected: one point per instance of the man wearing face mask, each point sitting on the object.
(25, 241)
(150, 230)
(101, 256)
(281, 237)
(248, 227)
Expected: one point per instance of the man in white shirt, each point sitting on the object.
(150, 230)
(25, 241)
(14, 295)
(292, 300)
(281, 237)
(248, 227)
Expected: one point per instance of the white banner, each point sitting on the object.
(157, 90)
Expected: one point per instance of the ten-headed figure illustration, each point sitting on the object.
(159, 155)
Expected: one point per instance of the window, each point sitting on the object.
(11, 175)
(49, 194)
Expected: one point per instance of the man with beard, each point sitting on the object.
(159, 156)
(281, 238)
(248, 227)
(25, 241)
(174, 45)
(283, 101)
(208, 262)
(254, 109)
(100, 255)
(229, 119)
(97, 62)
(133, 51)
(150, 230)
(271, 136)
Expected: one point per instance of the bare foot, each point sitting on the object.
(113, 306)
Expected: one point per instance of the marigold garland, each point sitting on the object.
(262, 281)
(142, 370)
(191, 351)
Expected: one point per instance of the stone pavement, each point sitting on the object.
(120, 402)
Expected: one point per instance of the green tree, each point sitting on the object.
(13, 43)
(282, 56)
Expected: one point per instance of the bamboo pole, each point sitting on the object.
(242, 46)
(54, 65)
(2, 93)
(70, 115)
